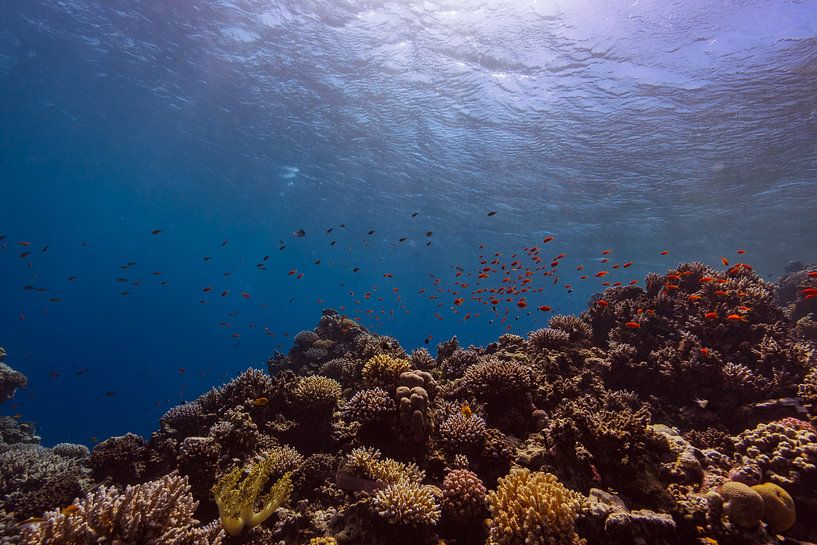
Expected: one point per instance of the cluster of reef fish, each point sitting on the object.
(647, 419)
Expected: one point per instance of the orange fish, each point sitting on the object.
(602, 303)
(627, 264)
(664, 252)
(522, 303)
(810, 296)
(813, 274)
(737, 318)
(388, 275)
(724, 261)
(694, 297)
(741, 252)
(602, 273)
(547, 239)
(260, 401)
(721, 293)
(706, 279)
(633, 325)
(545, 308)
(458, 302)
(704, 351)
(245, 295)
(208, 289)
(673, 277)
(605, 252)
(711, 315)
(809, 291)
(465, 410)
(182, 370)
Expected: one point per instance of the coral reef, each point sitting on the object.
(687, 427)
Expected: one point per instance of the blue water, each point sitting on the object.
(633, 126)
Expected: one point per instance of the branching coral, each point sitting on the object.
(533, 508)
(368, 406)
(383, 371)
(407, 502)
(464, 496)
(368, 463)
(155, 513)
(316, 393)
(236, 494)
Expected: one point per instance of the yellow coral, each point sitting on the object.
(236, 496)
(533, 508)
(322, 541)
(383, 371)
(778, 507)
(367, 462)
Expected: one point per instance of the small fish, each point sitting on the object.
(704, 352)
(329, 230)
(45, 249)
(55, 299)
(429, 233)
(333, 243)
(299, 233)
(810, 296)
(72, 278)
(544, 308)
(724, 261)
(70, 510)
(24, 243)
(207, 258)
(737, 318)
(809, 291)
(632, 325)
(356, 269)
(606, 252)
(547, 239)
(702, 403)
(705, 279)
(260, 401)
(628, 264)
(155, 231)
(31, 520)
(459, 301)
(245, 295)
(741, 252)
(388, 275)
(224, 243)
(711, 315)
(208, 289)
(673, 277)
(414, 215)
(601, 274)
(722, 293)
(110, 393)
(24, 255)
(370, 232)
(812, 274)
(602, 303)
(664, 252)
(182, 370)
(465, 410)
(521, 303)
(402, 239)
(694, 297)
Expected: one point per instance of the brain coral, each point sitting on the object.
(742, 505)
(778, 507)
(383, 371)
(533, 508)
(407, 502)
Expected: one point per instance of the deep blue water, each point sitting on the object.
(632, 126)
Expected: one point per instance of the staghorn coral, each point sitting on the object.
(155, 513)
(383, 371)
(236, 494)
(533, 508)
(464, 496)
(369, 406)
(786, 455)
(409, 503)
